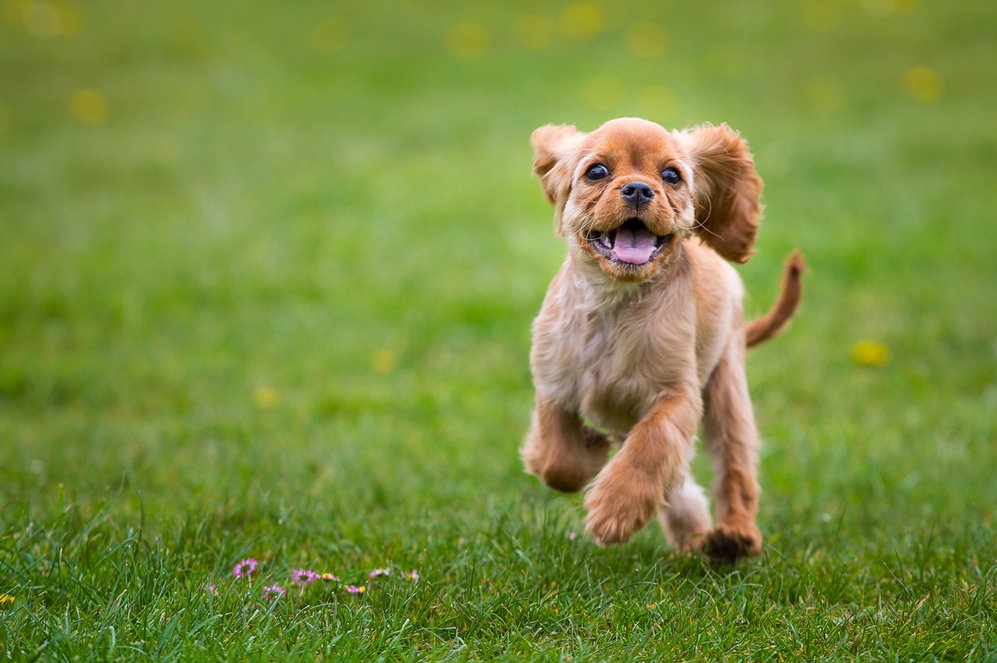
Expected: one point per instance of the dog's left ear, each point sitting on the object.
(727, 190)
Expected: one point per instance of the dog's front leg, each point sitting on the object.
(630, 489)
(561, 450)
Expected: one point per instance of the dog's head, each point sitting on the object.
(628, 193)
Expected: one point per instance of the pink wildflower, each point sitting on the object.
(273, 592)
(354, 589)
(209, 588)
(412, 575)
(379, 572)
(244, 568)
(328, 577)
(304, 576)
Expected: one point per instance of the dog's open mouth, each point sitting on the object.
(631, 244)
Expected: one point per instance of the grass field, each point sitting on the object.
(267, 272)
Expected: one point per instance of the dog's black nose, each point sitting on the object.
(637, 193)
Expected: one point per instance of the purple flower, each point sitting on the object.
(379, 572)
(209, 588)
(273, 592)
(244, 568)
(354, 589)
(412, 575)
(304, 576)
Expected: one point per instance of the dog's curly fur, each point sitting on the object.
(641, 334)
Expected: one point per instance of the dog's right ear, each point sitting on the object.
(552, 144)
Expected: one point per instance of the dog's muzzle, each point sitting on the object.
(630, 244)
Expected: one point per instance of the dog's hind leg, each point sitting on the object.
(685, 515)
(561, 450)
(732, 439)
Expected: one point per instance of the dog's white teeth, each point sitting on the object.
(611, 239)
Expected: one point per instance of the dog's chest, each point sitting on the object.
(614, 378)
(608, 363)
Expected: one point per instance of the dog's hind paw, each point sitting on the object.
(727, 543)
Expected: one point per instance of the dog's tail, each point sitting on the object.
(778, 318)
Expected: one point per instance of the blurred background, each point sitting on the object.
(284, 256)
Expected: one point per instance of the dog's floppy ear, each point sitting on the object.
(727, 190)
(552, 145)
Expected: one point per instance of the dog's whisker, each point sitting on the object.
(700, 226)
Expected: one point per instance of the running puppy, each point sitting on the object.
(642, 332)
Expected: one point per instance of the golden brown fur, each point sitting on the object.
(641, 333)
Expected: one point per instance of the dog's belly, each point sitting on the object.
(608, 408)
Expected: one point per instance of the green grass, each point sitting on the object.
(277, 304)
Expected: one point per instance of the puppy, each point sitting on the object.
(641, 334)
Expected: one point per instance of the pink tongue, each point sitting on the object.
(633, 246)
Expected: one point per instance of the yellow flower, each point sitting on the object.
(89, 106)
(6, 600)
(923, 84)
(70, 19)
(887, 7)
(870, 353)
(583, 20)
(821, 16)
(266, 397)
(47, 19)
(467, 40)
(383, 360)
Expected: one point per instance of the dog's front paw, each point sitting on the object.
(618, 506)
(728, 542)
(567, 469)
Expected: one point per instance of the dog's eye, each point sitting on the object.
(597, 172)
(671, 176)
